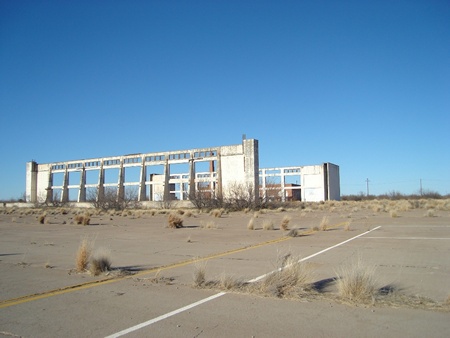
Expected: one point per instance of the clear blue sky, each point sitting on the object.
(362, 84)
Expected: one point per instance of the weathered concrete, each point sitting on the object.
(228, 169)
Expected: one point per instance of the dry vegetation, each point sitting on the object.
(174, 221)
(83, 255)
(294, 279)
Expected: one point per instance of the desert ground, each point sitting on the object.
(223, 274)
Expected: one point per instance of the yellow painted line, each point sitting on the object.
(73, 288)
(87, 285)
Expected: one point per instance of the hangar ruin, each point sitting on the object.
(180, 175)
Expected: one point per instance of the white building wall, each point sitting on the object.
(313, 183)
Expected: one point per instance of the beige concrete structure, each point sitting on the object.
(177, 175)
(156, 175)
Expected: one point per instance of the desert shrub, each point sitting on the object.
(430, 213)
(82, 219)
(356, 281)
(100, 262)
(268, 225)
(324, 224)
(209, 225)
(227, 282)
(251, 224)
(199, 273)
(174, 221)
(290, 279)
(393, 213)
(292, 233)
(216, 213)
(83, 255)
(347, 226)
(41, 218)
(284, 223)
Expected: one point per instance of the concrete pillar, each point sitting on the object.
(49, 197)
(65, 189)
(192, 188)
(101, 183)
(82, 190)
(31, 182)
(143, 175)
(283, 191)
(251, 165)
(263, 178)
(120, 186)
(166, 181)
(219, 187)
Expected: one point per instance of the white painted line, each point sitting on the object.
(316, 254)
(167, 315)
(220, 294)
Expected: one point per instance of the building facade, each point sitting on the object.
(179, 175)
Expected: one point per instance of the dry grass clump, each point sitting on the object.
(41, 218)
(174, 221)
(100, 262)
(188, 213)
(209, 225)
(324, 224)
(227, 282)
(199, 273)
(216, 213)
(251, 224)
(83, 255)
(268, 225)
(430, 213)
(290, 280)
(347, 226)
(356, 282)
(393, 213)
(83, 219)
(284, 223)
(293, 233)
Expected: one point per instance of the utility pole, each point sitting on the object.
(367, 184)
(421, 191)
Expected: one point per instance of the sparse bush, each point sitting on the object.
(100, 262)
(83, 255)
(324, 224)
(251, 224)
(292, 233)
(284, 223)
(430, 213)
(356, 282)
(82, 219)
(393, 213)
(199, 273)
(175, 221)
(209, 225)
(291, 279)
(347, 226)
(41, 218)
(216, 213)
(268, 225)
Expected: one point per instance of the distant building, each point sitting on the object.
(180, 175)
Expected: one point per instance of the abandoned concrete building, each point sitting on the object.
(150, 178)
